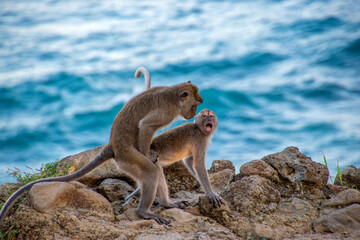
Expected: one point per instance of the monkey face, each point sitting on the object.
(189, 100)
(207, 121)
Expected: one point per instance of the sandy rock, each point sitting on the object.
(222, 214)
(340, 221)
(251, 194)
(178, 215)
(46, 196)
(109, 169)
(219, 165)
(179, 178)
(114, 189)
(344, 198)
(220, 181)
(296, 167)
(350, 177)
(261, 168)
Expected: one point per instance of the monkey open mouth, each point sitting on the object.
(208, 128)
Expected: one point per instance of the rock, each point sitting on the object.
(109, 169)
(178, 215)
(179, 178)
(6, 189)
(222, 214)
(260, 168)
(251, 193)
(334, 189)
(114, 189)
(46, 196)
(342, 220)
(219, 165)
(220, 181)
(296, 167)
(350, 177)
(344, 198)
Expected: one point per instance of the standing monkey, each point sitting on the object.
(130, 138)
(189, 142)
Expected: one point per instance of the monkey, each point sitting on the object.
(189, 142)
(129, 144)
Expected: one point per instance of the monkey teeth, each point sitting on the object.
(208, 127)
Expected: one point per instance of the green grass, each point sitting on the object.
(46, 170)
(332, 179)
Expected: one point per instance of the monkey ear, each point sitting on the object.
(183, 96)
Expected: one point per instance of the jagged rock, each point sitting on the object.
(47, 196)
(344, 198)
(222, 214)
(261, 168)
(272, 198)
(219, 165)
(179, 178)
(296, 167)
(109, 169)
(350, 177)
(114, 189)
(342, 220)
(220, 181)
(251, 193)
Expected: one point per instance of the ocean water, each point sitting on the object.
(276, 73)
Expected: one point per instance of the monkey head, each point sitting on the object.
(206, 120)
(189, 100)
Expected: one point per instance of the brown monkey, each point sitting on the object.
(131, 135)
(189, 142)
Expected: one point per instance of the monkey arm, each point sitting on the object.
(202, 176)
(148, 126)
(189, 161)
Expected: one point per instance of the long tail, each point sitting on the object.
(146, 76)
(130, 196)
(104, 155)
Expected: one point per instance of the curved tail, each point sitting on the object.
(146, 76)
(102, 157)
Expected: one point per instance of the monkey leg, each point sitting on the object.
(146, 174)
(163, 192)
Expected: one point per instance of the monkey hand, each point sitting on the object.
(153, 156)
(215, 199)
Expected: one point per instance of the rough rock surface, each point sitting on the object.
(284, 195)
(296, 167)
(350, 177)
(47, 196)
(108, 169)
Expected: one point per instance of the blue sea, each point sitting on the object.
(276, 73)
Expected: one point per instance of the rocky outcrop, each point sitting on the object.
(350, 177)
(283, 195)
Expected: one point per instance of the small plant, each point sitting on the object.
(339, 174)
(46, 170)
(9, 236)
(332, 179)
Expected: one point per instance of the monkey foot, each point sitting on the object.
(215, 200)
(157, 218)
(179, 204)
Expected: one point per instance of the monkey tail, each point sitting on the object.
(146, 76)
(104, 155)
